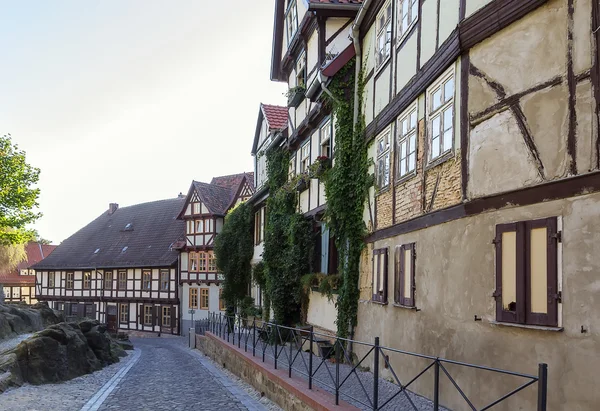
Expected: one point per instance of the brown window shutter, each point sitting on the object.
(501, 314)
(385, 276)
(410, 302)
(398, 275)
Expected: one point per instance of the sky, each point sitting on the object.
(128, 101)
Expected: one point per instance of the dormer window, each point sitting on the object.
(128, 227)
(291, 21)
(384, 35)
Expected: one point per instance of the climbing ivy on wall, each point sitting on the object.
(288, 242)
(347, 187)
(234, 248)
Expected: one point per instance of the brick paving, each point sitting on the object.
(169, 376)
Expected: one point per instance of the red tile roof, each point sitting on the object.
(277, 116)
(36, 252)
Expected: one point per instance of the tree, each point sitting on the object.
(17, 200)
(234, 248)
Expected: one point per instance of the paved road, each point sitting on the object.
(168, 376)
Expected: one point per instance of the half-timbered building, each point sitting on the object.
(482, 122)
(203, 213)
(120, 269)
(19, 284)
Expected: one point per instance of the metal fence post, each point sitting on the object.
(310, 359)
(276, 338)
(376, 375)
(290, 359)
(337, 372)
(240, 331)
(542, 386)
(254, 337)
(436, 385)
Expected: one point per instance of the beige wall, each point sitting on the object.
(455, 279)
(322, 313)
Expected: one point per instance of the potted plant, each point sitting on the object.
(295, 95)
(302, 183)
(323, 164)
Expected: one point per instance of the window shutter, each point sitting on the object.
(502, 314)
(398, 275)
(154, 316)
(410, 302)
(376, 270)
(380, 274)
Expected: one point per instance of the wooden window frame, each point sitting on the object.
(51, 277)
(523, 313)
(70, 282)
(164, 316)
(325, 140)
(123, 313)
(198, 230)
(411, 14)
(434, 113)
(291, 21)
(204, 297)
(301, 70)
(211, 262)
(107, 281)
(146, 283)
(380, 272)
(305, 157)
(86, 282)
(162, 274)
(407, 142)
(258, 237)
(202, 262)
(196, 208)
(121, 284)
(383, 158)
(146, 314)
(383, 30)
(193, 300)
(400, 275)
(292, 168)
(193, 257)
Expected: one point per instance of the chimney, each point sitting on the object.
(181, 195)
(112, 207)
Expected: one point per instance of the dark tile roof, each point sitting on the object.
(36, 252)
(231, 181)
(215, 197)
(277, 116)
(337, 1)
(149, 238)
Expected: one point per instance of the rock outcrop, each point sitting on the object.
(18, 319)
(58, 353)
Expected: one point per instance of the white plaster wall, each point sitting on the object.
(448, 18)
(406, 62)
(474, 5)
(342, 40)
(322, 312)
(428, 30)
(382, 89)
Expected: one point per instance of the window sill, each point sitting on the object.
(529, 327)
(406, 307)
(379, 69)
(383, 190)
(403, 38)
(439, 160)
(406, 177)
(379, 303)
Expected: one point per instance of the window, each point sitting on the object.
(193, 262)
(87, 280)
(441, 116)
(199, 226)
(222, 306)
(108, 280)
(404, 273)
(164, 280)
(292, 168)
(325, 140)
(305, 157)
(204, 298)
(123, 313)
(190, 227)
(193, 298)
(291, 20)
(527, 272)
(408, 13)
(69, 281)
(196, 208)
(258, 227)
(380, 265)
(146, 280)
(212, 262)
(407, 142)
(148, 315)
(383, 159)
(122, 280)
(301, 71)
(90, 311)
(166, 316)
(384, 35)
(202, 261)
(51, 279)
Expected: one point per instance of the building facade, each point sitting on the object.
(482, 124)
(120, 269)
(203, 214)
(19, 284)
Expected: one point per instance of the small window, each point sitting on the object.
(527, 272)
(291, 22)
(123, 313)
(148, 314)
(258, 227)
(384, 35)
(212, 262)
(199, 226)
(301, 71)
(305, 157)
(193, 303)
(166, 316)
(87, 280)
(122, 280)
(325, 140)
(383, 159)
(193, 262)
(90, 311)
(407, 142)
(441, 116)
(204, 298)
(164, 280)
(380, 270)
(51, 279)
(404, 273)
(190, 228)
(408, 13)
(292, 168)
(222, 305)
(108, 280)
(196, 208)
(147, 280)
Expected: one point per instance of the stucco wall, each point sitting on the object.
(322, 313)
(455, 279)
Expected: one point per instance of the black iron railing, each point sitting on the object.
(293, 348)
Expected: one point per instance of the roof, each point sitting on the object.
(231, 181)
(35, 252)
(136, 236)
(276, 116)
(335, 2)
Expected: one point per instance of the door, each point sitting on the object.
(111, 318)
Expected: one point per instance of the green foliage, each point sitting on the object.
(17, 197)
(288, 242)
(10, 257)
(260, 278)
(326, 284)
(247, 308)
(234, 248)
(346, 187)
